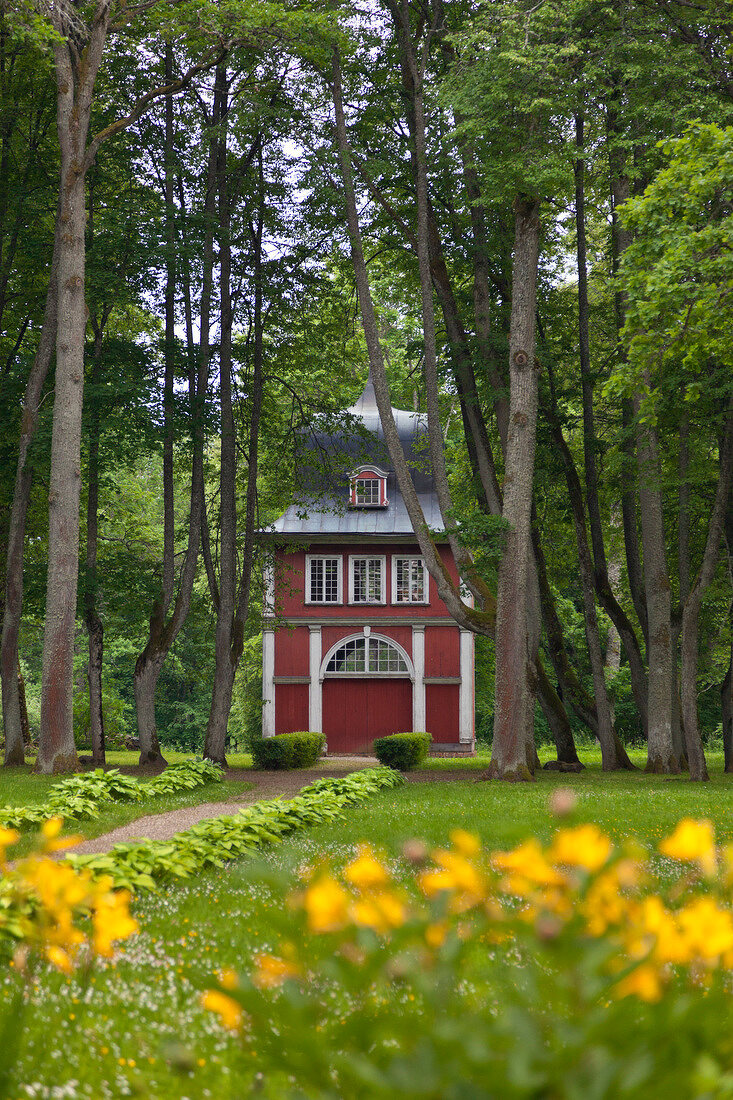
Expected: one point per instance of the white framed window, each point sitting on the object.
(323, 579)
(409, 580)
(366, 579)
(366, 656)
(368, 488)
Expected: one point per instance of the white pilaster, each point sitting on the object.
(315, 689)
(418, 688)
(465, 698)
(268, 683)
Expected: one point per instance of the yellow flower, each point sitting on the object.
(468, 844)
(584, 846)
(59, 958)
(226, 1008)
(644, 982)
(272, 972)
(326, 904)
(51, 828)
(228, 978)
(435, 934)
(707, 929)
(381, 912)
(8, 836)
(692, 841)
(112, 921)
(528, 861)
(366, 872)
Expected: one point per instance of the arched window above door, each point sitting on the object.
(367, 656)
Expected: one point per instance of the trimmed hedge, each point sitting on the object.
(80, 796)
(402, 751)
(219, 840)
(288, 750)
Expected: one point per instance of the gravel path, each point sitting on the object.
(268, 784)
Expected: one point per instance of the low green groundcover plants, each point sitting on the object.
(288, 750)
(403, 751)
(82, 796)
(217, 841)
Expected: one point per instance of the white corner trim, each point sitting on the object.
(315, 688)
(418, 687)
(268, 685)
(465, 696)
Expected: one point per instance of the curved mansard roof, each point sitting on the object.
(329, 453)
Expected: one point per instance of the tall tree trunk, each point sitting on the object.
(9, 661)
(693, 603)
(164, 628)
(479, 621)
(224, 667)
(661, 756)
(512, 695)
(92, 621)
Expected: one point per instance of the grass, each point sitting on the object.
(136, 1029)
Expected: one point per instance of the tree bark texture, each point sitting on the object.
(693, 603)
(512, 697)
(9, 660)
(472, 619)
(92, 621)
(661, 756)
(75, 79)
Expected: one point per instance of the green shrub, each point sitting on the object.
(402, 751)
(288, 750)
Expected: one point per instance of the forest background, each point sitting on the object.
(219, 267)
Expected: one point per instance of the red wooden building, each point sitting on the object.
(362, 646)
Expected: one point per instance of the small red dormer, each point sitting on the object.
(368, 488)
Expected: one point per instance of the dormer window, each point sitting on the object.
(368, 488)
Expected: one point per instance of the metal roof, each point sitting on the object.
(330, 452)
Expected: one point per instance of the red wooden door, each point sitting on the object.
(355, 711)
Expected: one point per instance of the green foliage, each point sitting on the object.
(217, 841)
(403, 751)
(81, 796)
(288, 750)
(676, 273)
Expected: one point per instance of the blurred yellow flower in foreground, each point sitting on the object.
(584, 846)
(272, 971)
(226, 1008)
(692, 842)
(326, 904)
(366, 872)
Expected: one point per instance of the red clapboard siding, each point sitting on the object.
(291, 708)
(356, 711)
(441, 651)
(441, 708)
(291, 652)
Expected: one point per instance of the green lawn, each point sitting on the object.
(136, 1029)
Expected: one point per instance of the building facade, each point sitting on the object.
(359, 645)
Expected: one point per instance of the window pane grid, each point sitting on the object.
(324, 580)
(410, 580)
(361, 655)
(367, 580)
(367, 490)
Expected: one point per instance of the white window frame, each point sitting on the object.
(382, 559)
(425, 580)
(309, 558)
(368, 473)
